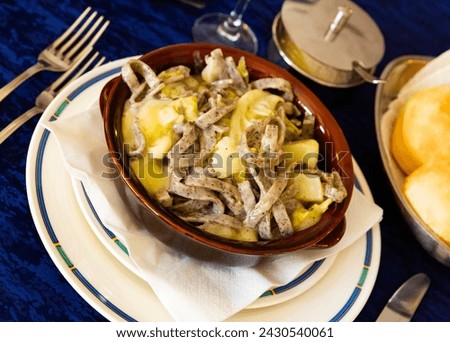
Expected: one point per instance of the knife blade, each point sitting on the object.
(404, 302)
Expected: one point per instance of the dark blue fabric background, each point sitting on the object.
(31, 287)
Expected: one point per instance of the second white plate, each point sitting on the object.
(310, 275)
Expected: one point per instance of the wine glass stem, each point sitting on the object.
(230, 29)
(235, 19)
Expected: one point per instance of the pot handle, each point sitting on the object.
(365, 75)
(104, 95)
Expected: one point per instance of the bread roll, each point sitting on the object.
(421, 132)
(427, 189)
(421, 147)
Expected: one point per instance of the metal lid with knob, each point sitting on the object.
(333, 40)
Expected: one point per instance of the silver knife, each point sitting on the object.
(404, 302)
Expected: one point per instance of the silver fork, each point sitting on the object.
(47, 96)
(65, 50)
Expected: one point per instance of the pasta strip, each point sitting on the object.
(196, 193)
(275, 83)
(213, 115)
(238, 81)
(269, 141)
(266, 202)
(224, 219)
(227, 191)
(247, 195)
(129, 71)
(139, 138)
(189, 206)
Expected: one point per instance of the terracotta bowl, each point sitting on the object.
(185, 237)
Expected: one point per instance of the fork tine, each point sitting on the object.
(87, 35)
(53, 57)
(86, 65)
(99, 33)
(61, 79)
(59, 86)
(100, 62)
(69, 30)
(75, 35)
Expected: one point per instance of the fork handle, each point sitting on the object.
(17, 122)
(7, 89)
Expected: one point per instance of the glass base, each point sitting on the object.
(214, 28)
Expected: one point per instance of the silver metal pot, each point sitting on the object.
(332, 42)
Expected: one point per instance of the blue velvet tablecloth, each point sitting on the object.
(32, 288)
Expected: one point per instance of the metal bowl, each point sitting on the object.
(396, 74)
(308, 66)
(333, 42)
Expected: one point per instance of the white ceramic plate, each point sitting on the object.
(306, 278)
(119, 294)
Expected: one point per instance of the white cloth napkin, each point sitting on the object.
(191, 290)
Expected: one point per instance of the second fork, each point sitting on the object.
(65, 50)
(47, 96)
